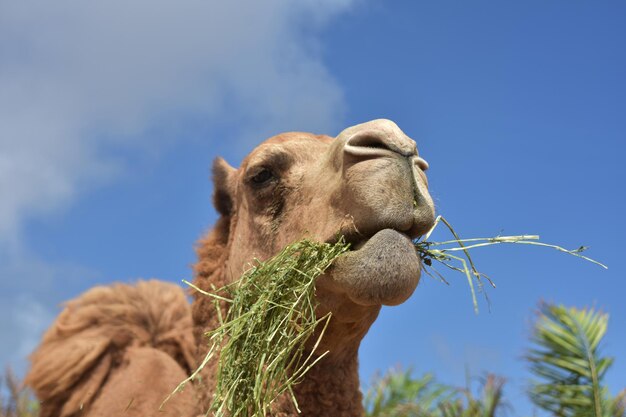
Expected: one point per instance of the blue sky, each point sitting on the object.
(111, 114)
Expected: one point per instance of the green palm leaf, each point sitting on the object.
(567, 361)
(399, 394)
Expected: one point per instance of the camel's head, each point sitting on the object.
(368, 184)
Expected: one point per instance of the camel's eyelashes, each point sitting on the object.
(262, 177)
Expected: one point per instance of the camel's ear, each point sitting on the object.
(223, 186)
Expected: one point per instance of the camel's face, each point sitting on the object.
(368, 184)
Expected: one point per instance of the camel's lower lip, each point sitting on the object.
(383, 269)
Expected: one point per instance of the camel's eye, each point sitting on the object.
(262, 177)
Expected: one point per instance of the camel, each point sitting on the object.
(121, 349)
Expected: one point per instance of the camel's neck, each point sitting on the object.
(331, 389)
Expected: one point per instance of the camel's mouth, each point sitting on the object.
(412, 225)
(357, 240)
(382, 269)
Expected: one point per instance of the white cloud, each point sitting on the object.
(80, 77)
(81, 82)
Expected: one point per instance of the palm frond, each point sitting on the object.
(399, 394)
(567, 361)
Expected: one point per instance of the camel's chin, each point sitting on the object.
(384, 270)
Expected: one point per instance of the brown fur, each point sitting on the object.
(86, 353)
(126, 347)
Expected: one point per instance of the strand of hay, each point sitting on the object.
(445, 254)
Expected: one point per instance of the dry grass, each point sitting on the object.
(454, 254)
(15, 400)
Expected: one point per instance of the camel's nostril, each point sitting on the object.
(378, 138)
(374, 143)
(369, 140)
